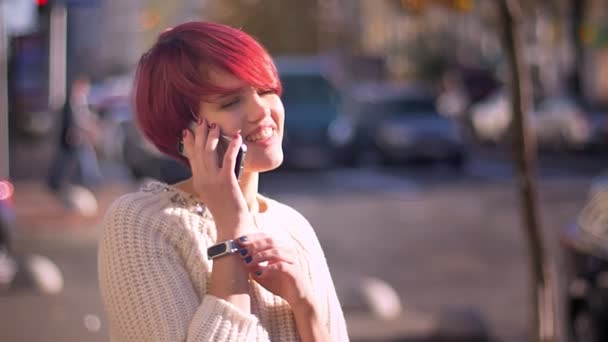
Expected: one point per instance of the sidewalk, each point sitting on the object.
(39, 211)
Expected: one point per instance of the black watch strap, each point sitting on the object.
(221, 249)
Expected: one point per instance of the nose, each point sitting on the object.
(259, 109)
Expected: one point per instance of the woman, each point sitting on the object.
(210, 259)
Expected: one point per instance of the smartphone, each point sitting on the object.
(221, 150)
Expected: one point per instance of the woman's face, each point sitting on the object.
(256, 114)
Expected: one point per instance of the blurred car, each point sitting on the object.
(558, 122)
(400, 123)
(599, 131)
(584, 247)
(314, 134)
(121, 140)
(561, 123)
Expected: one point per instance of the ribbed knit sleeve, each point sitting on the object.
(147, 292)
(336, 323)
(304, 234)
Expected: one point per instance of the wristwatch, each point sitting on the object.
(221, 249)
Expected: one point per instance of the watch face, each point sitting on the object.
(216, 250)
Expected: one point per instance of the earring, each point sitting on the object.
(180, 147)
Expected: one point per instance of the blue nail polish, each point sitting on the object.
(243, 238)
(248, 259)
(243, 251)
(258, 273)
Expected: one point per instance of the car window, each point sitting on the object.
(400, 107)
(303, 89)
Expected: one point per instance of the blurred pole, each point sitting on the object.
(4, 141)
(58, 55)
(577, 16)
(542, 305)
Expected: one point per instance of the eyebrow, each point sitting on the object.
(232, 92)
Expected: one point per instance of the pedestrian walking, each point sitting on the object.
(75, 168)
(209, 258)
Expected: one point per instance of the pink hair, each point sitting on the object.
(170, 80)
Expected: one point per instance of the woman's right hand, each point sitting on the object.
(216, 186)
(275, 266)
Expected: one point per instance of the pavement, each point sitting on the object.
(46, 227)
(40, 211)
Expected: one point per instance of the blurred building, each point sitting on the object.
(418, 36)
(595, 64)
(104, 36)
(156, 16)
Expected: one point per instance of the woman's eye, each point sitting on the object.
(230, 103)
(263, 92)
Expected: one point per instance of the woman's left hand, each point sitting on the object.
(279, 271)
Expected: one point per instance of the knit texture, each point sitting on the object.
(154, 273)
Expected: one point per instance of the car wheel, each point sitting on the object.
(368, 157)
(457, 160)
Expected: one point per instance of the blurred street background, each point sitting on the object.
(397, 150)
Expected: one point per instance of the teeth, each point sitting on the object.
(263, 134)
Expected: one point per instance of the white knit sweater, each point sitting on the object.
(154, 273)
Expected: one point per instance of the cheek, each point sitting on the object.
(279, 111)
(228, 121)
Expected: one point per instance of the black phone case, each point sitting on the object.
(240, 157)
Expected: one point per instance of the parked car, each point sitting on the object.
(123, 142)
(314, 134)
(584, 247)
(400, 123)
(558, 122)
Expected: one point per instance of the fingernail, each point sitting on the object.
(236, 136)
(243, 251)
(248, 259)
(184, 133)
(258, 273)
(213, 126)
(199, 120)
(243, 238)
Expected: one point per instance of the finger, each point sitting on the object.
(200, 137)
(249, 239)
(231, 153)
(256, 242)
(213, 137)
(269, 256)
(265, 272)
(211, 146)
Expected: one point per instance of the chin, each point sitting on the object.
(269, 163)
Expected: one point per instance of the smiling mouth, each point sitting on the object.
(261, 135)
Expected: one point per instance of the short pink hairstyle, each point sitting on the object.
(171, 79)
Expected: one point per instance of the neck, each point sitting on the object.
(248, 184)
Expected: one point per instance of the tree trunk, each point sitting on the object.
(541, 326)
